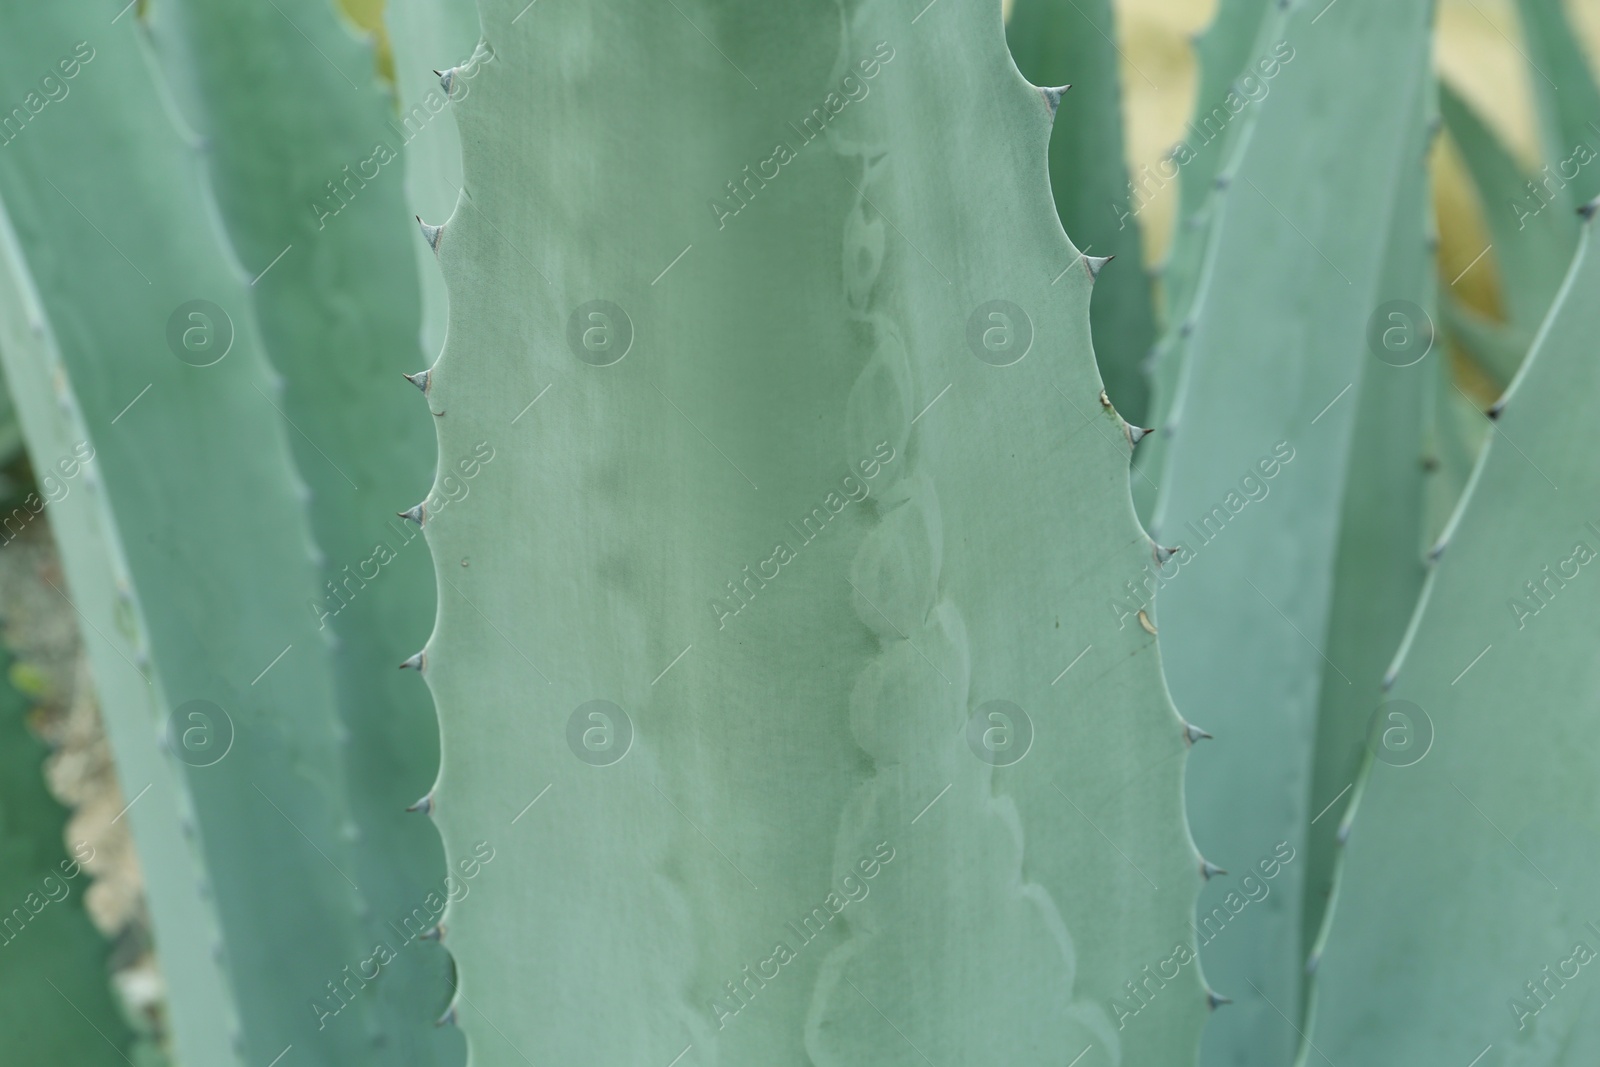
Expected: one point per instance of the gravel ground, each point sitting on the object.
(39, 627)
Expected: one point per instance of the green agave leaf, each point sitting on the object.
(429, 36)
(1532, 240)
(309, 179)
(1228, 48)
(1497, 348)
(1062, 42)
(1458, 428)
(1252, 491)
(10, 428)
(198, 474)
(201, 1014)
(55, 1000)
(1470, 874)
(1215, 132)
(764, 529)
(1378, 565)
(1566, 98)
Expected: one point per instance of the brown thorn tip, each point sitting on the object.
(420, 379)
(416, 662)
(1096, 264)
(425, 805)
(1052, 96)
(1139, 433)
(1210, 870)
(417, 513)
(1163, 553)
(1194, 733)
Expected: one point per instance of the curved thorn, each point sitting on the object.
(1193, 733)
(1095, 264)
(417, 513)
(430, 233)
(1052, 97)
(1210, 870)
(421, 379)
(425, 805)
(416, 662)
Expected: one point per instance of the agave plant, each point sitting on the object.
(840, 542)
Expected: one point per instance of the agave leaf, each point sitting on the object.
(1566, 99)
(310, 176)
(1256, 475)
(1532, 240)
(55, 1000)
(429, 36)
(1458, 430)
(1072, 42)
(1236, 40)
(182, 915)
(10, 428)
(1497, 348)
(198, 475)
(1378, 566)
(1470, 870)
(798, 737)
